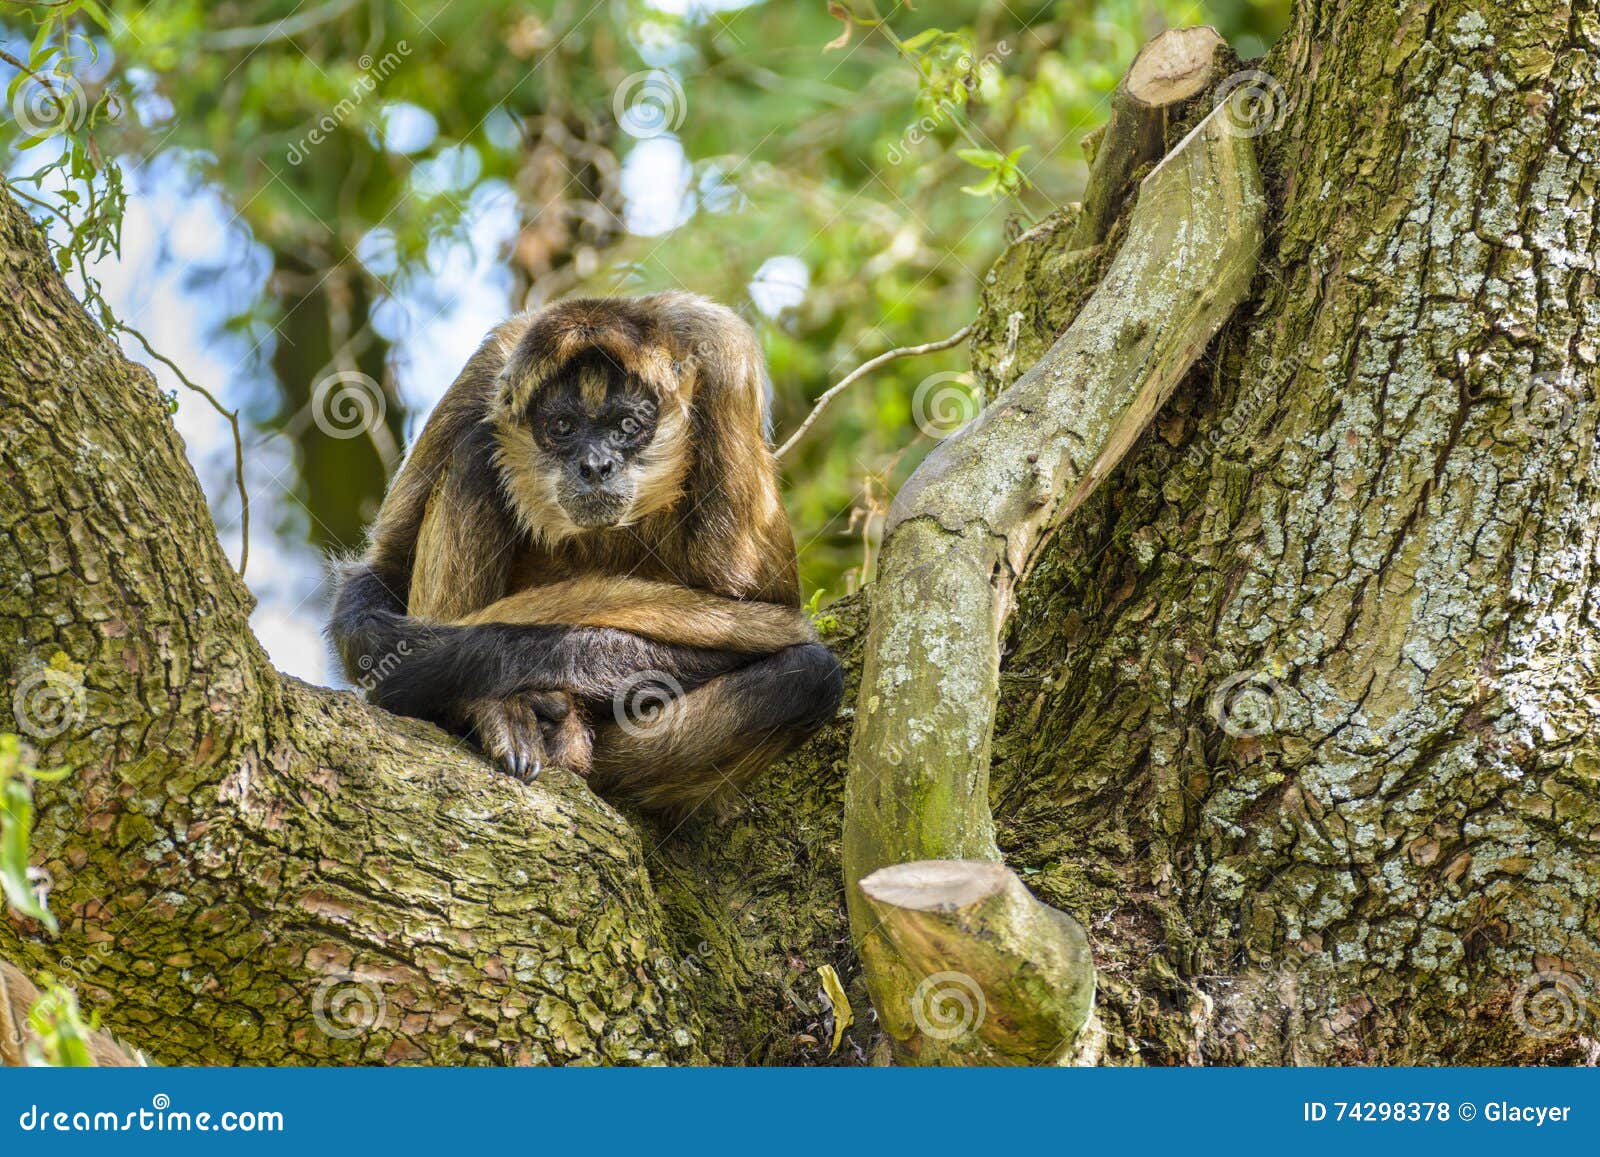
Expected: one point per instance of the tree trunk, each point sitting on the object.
(334, 400)
(1299, 712)
(1296, 713)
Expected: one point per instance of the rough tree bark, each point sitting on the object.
(1297, 712)
(962, 535)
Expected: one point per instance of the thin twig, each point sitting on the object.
(286, 29)
(238, 443)
(866, 368)
(22, 67)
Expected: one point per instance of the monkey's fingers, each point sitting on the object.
(509, 733)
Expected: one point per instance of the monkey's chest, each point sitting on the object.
(617, 554)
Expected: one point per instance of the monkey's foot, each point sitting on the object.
(511, 732)
(524, 732)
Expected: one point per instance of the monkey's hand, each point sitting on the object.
(525, 731)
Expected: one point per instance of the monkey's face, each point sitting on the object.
(598, 438)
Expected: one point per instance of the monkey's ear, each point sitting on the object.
(510, 393)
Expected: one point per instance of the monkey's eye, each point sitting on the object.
(560, 427)
(630, 426)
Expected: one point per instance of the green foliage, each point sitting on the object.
(17, 774)
(75, 182)
(886, 150)
(61, 1036)
(1004, 176)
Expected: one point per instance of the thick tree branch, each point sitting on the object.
(974, 934)
(962, 533)
(1168, 72)
(245, 868)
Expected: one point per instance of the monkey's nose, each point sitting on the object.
(594, 468)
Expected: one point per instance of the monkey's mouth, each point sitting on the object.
(592, 509)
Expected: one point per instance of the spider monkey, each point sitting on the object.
(584, 559)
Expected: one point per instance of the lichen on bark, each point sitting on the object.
(1376, 502)
(1300, 712)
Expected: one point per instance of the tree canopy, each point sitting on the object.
(840, 174)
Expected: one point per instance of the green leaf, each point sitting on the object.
(983, 158)
(16, 828)
(96, 13)
(16, 825)
(46, 26)
(988, 187)
(926, 36)
(63, 1037)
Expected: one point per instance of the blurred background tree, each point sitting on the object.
(328, 203)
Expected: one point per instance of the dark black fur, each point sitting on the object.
(424, 670)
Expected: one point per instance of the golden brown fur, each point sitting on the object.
(700, 566)
(656, 610)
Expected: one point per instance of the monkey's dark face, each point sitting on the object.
(591, 447)
(597, 428)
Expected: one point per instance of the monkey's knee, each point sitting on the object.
(805, 683)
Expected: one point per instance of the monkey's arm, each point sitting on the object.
(657, 611)
(427, 670)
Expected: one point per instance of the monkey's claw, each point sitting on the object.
(510, 733)
(522, 766)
